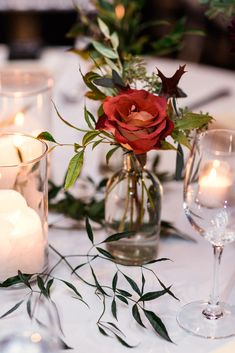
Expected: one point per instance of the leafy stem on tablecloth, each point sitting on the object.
(111, 295)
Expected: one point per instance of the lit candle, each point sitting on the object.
(215, 183)
(22, 242)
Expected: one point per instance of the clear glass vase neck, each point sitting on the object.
(132, 162)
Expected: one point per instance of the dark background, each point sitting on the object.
(27, 32)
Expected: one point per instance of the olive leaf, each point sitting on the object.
(136, 315)
(74, 169)
(46, 136)
(105, 51)
(14, 308)
(157, 324)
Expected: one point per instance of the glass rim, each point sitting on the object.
(48, 84)
(32, 161)
(210, 132)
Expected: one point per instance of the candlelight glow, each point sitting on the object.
(120, 11)
(215, 184)
(19, 119)
(36, 337)
(18, 140)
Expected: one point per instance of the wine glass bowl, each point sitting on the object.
(209, 204)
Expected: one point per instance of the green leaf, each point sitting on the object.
(74, 169)
(24, 279)
(89, 231)
(95, 92)
(179, 163)
(89, 136)
(28, 306)
(143, 282)
(167, 146)
(157, 260)
(117, 80)
(13, 280)
(103, 27)
(105, 51)
(114, 308)
(123, 342)
(115, 326)
(154, 295)
(117, 236)
(157, 324)
(88, 116)
(136, 315)
(104, 82)
(98, 286)
(114, 281)
(77, 147)
(102, 331)
(57, 316)
(48, 286)
(41, 286)
(111, 64)
(14, 308)
(181, 138)
(192, 121)
(114, 40)
(123, 299)
(94, 96)
(71, 286)
(96, 143)
(105, 253)
(133, 284)
(168, 290)
(124, 292)
(46, 136)
(110, 153)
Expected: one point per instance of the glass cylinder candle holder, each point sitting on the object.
(25, 101)
(23, 205)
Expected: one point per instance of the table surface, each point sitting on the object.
(189, 272)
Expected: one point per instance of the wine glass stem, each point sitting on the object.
(213, 310)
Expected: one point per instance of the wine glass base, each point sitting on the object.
(191, 319)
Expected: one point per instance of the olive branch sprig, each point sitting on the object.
(110, 295)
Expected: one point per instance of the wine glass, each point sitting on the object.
(209, 204)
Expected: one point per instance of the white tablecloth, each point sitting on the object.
(190, 271)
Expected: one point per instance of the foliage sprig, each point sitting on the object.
(111, 294)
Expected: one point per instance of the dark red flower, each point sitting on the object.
(137, 119)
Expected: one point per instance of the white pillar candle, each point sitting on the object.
(22, 242)
(8, 157)
(13, 151)
(215, 183)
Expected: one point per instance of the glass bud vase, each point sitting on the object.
(133, 204)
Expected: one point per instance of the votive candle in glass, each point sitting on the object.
(25, 101)
(23, 205)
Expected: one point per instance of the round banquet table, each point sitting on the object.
(189, 272)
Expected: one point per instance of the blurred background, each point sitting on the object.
(27, 26)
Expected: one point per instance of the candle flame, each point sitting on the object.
(212, 175)
(19, 119)
(120, 11)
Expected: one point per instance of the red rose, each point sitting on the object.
(137, 119)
